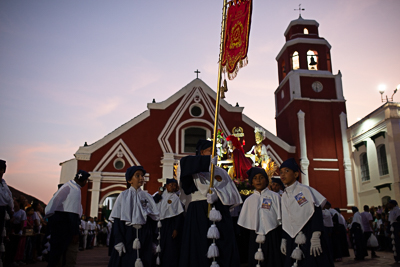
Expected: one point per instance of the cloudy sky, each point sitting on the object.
(73, 71)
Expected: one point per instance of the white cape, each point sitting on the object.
(133, 206)
(357, 219)
(169, 206)
(298, 203)
(261, 212)
(66, 199)
(393, 214)
(225, 188)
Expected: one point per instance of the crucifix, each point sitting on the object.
(197, 73)
(299, 9)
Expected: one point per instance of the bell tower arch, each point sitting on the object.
(311, 111)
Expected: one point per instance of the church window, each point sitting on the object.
(192, 136)
(385, 200)
(196, 110)
(382, 160)
(119, 164)
(283, 69)
(364, 167)
(305, 31)
(295, 60)
(312, 60)
(328, 61)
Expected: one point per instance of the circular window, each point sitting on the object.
(119, 164)
(196, 110)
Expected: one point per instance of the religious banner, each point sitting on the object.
(236, 41)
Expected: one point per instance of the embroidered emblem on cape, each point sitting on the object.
(301, 199)
(144, 203)
(266, 203)
(218, 178)
(169, 201)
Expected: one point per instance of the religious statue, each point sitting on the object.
(259, 150)
(241, 164)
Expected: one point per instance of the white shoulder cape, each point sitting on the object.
(133, 206)
(261, 212)
(169, 206)
(298, 203)
(66, 199)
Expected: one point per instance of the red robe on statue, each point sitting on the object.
(240, 162)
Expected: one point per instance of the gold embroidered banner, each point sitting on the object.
(237, 33)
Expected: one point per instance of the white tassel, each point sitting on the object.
(214, 264)
(391, 229)
(260, 239)
(259, 255)
(47, 245)
(297, 254)
(300, 238)
(138, 263)
(2, 248)
(158, 237)
(44, 252)
(392, 236)
(159, 224)
(158, 249)
(136, 244)
(213, 232)
(4, 233)
(137, 226)
(7, 216)
(393, 242)
(215, 215)
(394, 248)
(212, 251)
(295, 264)
(48, 237)
(258, 265)
(158, 260)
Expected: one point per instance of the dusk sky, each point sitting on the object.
(73, 71)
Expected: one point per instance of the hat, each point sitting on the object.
(278, 181)
(254, 171)
(131, 171)
(82, 175)
(172, 180)
(202, 144)
(3, 165)
(393, 202)
(291, 164)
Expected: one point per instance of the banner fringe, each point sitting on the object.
(232, 75)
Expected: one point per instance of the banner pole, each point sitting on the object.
(221, 49)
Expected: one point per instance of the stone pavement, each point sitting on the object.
(99, 257)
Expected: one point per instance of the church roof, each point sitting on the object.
(301, 21)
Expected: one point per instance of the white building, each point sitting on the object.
(374, 142)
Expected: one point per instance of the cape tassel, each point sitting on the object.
(158, 260)
(300, 238)
(7, 216)
(213, 232)
(158, 237)
(158, 249)
(393, 242)
(48, 237)
(295, 264)
(138, 263)
(392, 236)
(137, 226)
(159, 224)
(47, 245)
(393, 248)
(259, 255)
(297, 254)
(2, 248)
(136, 244)
(214, 264)
(258, 265)
(215, 215)
(4, 233)
(260, 239)
(44, 252)
(391, 229)
(212, 251)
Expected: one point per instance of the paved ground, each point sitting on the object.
(99, 257)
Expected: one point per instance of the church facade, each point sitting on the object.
(310, 118)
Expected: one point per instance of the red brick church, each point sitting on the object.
(310, 117)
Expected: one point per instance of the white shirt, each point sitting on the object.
(19, 216)
(298, 203)
(169, 206)
(66, 199)
(357, 219)
(133, 206)
(393, 214)
(6, 198)
(261, 212)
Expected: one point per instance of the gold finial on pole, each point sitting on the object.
(221, 47)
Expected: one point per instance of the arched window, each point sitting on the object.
(295, 60)
(192, 136)
(328, 62)
(382, 160)
(305, 31)
(283, 69)
(364, 167)
(385, 200)
(312, 60)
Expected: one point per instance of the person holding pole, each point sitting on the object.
(205, 242)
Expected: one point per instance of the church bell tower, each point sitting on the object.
(311, 112)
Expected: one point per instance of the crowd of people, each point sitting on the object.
(197, 219)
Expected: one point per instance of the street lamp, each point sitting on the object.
(382, 89)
